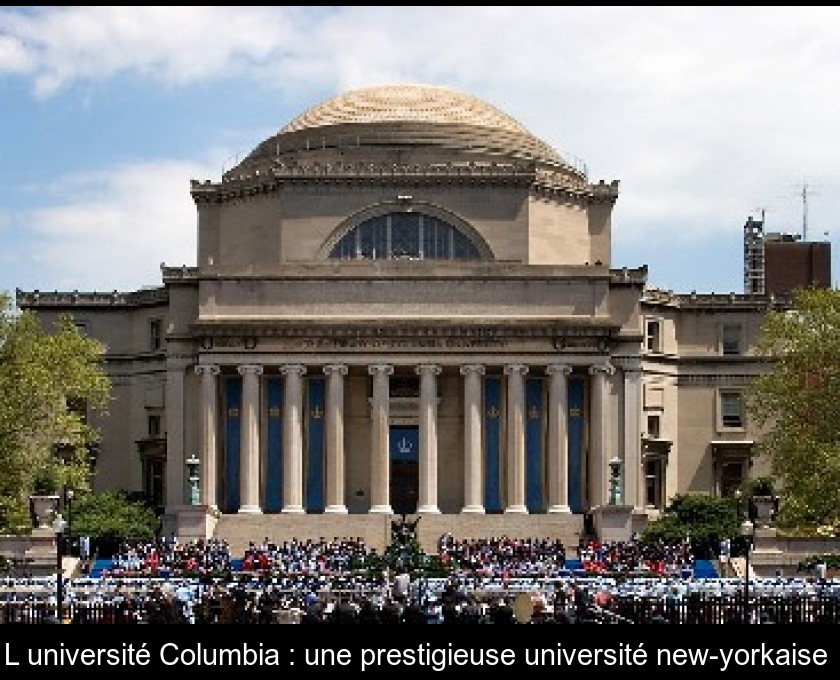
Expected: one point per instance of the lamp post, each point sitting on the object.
(192, 464)
(615, 480)
(748, 532)
(59, 525)
(68, 500)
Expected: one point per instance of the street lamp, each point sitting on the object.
(68, 500)
(615, 480)
(192, 476)
(748, 533)
(59, 525)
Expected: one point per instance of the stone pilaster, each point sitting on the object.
(293, 437)
(599, 435)
(335, 438)
(632, 469)
(473, 497)
(175, 459)
(249, 463)
(428, 439)
(208, 425)
(558, 438)
(380, 463)
(516, 438)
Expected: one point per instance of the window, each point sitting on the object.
(731, 409)
(154, 475)
(653, 335)
(732, 476)
(405, 236)
(153, 425)
(730, 338)
(81, 327)
(653, 426)
(155, 326)
(654, 483)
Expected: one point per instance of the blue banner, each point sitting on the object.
(233, 427)
(576, 430)
(492, 425)
(404, 444)
(315, 452)
(534, 445)
(274, 446)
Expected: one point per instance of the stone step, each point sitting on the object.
(375, 529)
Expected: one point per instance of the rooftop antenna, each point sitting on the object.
(804, 193)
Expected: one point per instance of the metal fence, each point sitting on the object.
(693, 609)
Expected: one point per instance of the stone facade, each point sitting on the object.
(404, 302)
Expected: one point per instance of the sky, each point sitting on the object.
(705, 115)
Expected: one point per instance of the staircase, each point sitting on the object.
(240, 529)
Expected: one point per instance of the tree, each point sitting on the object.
(705, 520)
(49, 379)
(797, 404)
(111, 517)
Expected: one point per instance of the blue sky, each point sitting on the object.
(704, 114)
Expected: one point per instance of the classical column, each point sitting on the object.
(428, 439)
(207, 451)
(335, 438)
(293, 438)
(599, 435)
(632, 469)
(380, 468)
(558, 438)
(516, 438)
(176, 489)
(473, 498)
(249, 463)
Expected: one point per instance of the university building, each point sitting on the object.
(405, 302)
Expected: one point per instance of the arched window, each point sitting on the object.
(405, 235)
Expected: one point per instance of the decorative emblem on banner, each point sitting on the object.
(574, 412)
(533, 413)
(492, 412)
(274, 412)
(233, 412)
(317, 412)
(404, 446)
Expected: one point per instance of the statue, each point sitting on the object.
(404, 532)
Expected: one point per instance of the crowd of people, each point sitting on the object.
(659, 558)
(331, 581)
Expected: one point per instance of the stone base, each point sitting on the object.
(613, 522)
(191, 522)
(41, 555)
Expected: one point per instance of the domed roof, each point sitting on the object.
(403, 116)
(409, 103)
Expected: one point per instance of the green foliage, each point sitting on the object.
(112, 516)
(705, 520)
(831, 561)
(45, 374)
(760, 486)
(797, 403)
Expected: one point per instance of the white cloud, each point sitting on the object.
(118, 227)
(703, 113)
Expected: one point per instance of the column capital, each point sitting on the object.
(472, 368)
(335, 369)
(561, 369)
(628, 364)
(207, 369)
(432, 369)
(381, 369)
(515, 369)
(605, 369)
(293, 369)
(250, 369)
